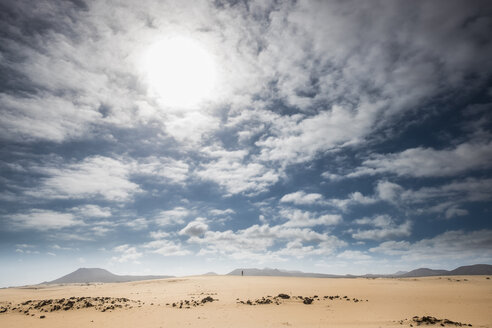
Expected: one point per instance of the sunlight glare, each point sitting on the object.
(180, 72)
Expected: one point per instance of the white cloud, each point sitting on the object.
(388, 191)
(355, 198)
(428, 162)
(26, 251)
(60, 248)
(191, 127)
(466, 190)
(450, 245)
(236, 175)
(165, 168)
(384, 228)
(92, 211)
(454, 211)
(301, 198)
(100, 230)
(196, 227)
(446, 199)
(298, 139)
(127, 253)
(354, 255)
(174, 216)
(380, 221)
(166, 248)
(39, 219)
(95, 176)
(138, 224)
(159, 234)
(261, 240)
(45, 117)
(218, 212)
(298, 218)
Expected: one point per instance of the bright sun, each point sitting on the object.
(180, 72)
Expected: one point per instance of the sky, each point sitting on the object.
(182, 137)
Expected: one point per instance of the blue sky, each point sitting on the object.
(337, 137)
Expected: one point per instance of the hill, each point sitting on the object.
(279, 273)
(477, 269)
(85, 275)
(424, 272)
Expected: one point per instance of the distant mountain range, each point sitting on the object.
(477, 269)
(279, 273)
(467, 270)
(85, 275)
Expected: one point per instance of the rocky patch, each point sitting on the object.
(429, 320)
(103, 304)
(281, 298)
(188, 304)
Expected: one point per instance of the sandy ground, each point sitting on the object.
(467, 300)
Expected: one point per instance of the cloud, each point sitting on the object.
(44, 117)
(191, 127)
(100, 230)
(445, 199)
(127, 253)
(165, 168)
(388, 191)
(236, 175)
(174, 216)
(138, 224)
(298, 139)
(355, 198)
(298, 218)
(301, 198)
(260, 240)
(92, 211)
(196, 227)
(159, 234)
(166, 248)
(465, 190)
(39, 219)
(218, 212)
(95, 176)
(354, 255)
(451, 245)
(428, 162)
(384, 228)
(454, 211)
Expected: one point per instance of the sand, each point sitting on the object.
(370, 303)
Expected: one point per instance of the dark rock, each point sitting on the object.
(307, 300)
(207, 299)
(283, 296)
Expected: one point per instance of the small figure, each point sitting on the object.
(242, 273)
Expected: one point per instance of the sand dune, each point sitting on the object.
(222, 301)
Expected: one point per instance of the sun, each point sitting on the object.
(180, 72)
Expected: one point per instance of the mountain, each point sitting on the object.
(84, 275)
(399, 273)
(467, 270)
(278, 273)
(424, 272)
(477, 269)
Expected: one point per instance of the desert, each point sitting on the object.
(235, 301)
